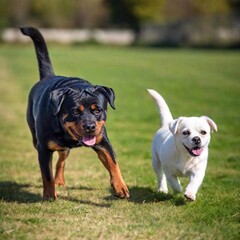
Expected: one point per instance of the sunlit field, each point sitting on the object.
(193, 82)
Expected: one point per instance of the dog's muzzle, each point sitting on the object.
(195, 151)
(89, 138)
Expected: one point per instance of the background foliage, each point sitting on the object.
(107, 13)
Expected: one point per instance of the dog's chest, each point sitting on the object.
(185, 167)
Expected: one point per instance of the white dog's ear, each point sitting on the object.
(173, 126)
(211, 123)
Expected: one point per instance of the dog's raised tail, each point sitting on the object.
(44, 62)
(165, 114)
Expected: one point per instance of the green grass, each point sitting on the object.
(193, 82)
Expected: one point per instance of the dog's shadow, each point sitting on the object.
(17, 192)
(144, 195)
(21, 193)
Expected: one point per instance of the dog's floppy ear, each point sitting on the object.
(173, 126)
(108, 94)
(211, 123)
(57, 97)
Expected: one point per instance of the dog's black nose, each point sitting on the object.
(196, 140)
(89, 127)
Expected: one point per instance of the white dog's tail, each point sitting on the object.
(165, 114)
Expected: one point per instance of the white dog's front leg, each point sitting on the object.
(194, 184)
(174, 183)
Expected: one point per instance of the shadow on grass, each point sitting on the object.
(140, 195)
(20, 193)
(80, 188)
(147, 195)
(17, 192)
(86, 202)
(81, 201)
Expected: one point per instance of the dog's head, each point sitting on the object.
(82, 113)
(193, 133)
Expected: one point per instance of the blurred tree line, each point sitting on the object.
(108, 13)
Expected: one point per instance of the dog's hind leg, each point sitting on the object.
(161, 178)
(59, 176)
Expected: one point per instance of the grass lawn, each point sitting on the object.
(193, 82)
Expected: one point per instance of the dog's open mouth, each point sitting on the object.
(195, 152)
(89, 140)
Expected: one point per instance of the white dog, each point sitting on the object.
(180, 148)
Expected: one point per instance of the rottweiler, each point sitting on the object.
(64, 113)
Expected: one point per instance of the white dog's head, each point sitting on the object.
(192, 133)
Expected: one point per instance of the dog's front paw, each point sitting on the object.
(59, 181)
(120, 189)
(190, 196)
(49, 195)
(163, 190)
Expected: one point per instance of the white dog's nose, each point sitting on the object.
(196, 140)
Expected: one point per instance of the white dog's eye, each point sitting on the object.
(186, 133)
(203, 132)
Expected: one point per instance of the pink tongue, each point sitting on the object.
(197, 152)
(89, 140)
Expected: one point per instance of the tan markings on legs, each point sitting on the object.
(59, 177)
(119, 186)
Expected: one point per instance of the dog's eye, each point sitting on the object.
(97, 111)
(186, 133)
(203, 132)
(75, 112)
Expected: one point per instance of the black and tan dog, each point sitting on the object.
(64, 113)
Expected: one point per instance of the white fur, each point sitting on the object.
(171, 159)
